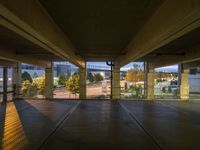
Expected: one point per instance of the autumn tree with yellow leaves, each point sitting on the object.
(135, 74)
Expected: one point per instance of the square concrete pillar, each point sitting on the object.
(48, 90)
(149, 77)
(184, 85)
(82, 83)
(116, 83)
(16, 81)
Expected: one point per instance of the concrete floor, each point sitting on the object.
(99, 125)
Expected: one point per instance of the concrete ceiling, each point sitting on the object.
(42, 31)
(178, 47)
(100, 29)
(15, 44)
(184, 49)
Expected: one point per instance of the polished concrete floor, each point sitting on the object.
(100, 125)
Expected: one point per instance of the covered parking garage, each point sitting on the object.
(156, 32)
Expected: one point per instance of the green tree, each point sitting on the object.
(72, 84)
(26, 76)
(33, 88)
(91, 77)
(98, 77)
(62, 80)
(40, 83)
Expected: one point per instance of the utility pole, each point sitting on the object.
(111, 64)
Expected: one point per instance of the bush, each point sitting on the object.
(25, 87)
(34, 88)
(72, 84)
(55, 83)
(62, 80)
(98, 77)
(40, 82)
(91, 77)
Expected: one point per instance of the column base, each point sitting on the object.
(150, 85)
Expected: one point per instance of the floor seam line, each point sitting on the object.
(140, 125)
(58, 125)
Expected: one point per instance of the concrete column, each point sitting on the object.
(149, 75)
(116, 82)
(184, 86)
(5, 83)
(16, 81)
(82, 83)
(48, 91)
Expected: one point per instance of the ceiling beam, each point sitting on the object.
(191, 65)
(33, 53)
(191, 54)
(10, 55)
(30, 20)
(172, 20)
(6, 63)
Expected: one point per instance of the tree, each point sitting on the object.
(62, 80)
(135, 74)
(72, 84)
(163, 76)
(131, 76)
(98, 77)
(26, 76)
(91, 77)
(25, 87)
(40, 83)
(33, 88)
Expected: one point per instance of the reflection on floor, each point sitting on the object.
(89, 125)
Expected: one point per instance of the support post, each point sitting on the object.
(145, 79)
(184, 86)
(16, 81)
(82, 83)
(115, 87)
(5, 83)
(48, 91)
(149, 75)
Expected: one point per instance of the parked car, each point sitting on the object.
(174, 82)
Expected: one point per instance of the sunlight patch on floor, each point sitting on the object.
(13, 132)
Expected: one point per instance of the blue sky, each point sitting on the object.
(173, 68)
